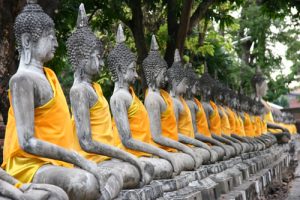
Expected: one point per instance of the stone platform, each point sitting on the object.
(245, 177)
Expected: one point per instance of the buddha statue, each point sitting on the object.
(39, 139)
(91, 110)
(12, 189)
(229, 102)
(206, 84)
(178, 84)
(200, 126)
(159, 106)
(252, 127)
(260, 86)
(130, 117)
(219, 97)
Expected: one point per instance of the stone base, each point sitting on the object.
(245, 177)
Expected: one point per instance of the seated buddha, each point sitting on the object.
(130, 117)
(92, 119)
(39, 145)
(200, 126)
(260, 86)
(159, 106)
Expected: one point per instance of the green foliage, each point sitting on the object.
(218, 30)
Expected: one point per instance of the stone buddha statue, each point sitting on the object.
(91, 110)
(206, 84)
(39, 139)
(260, 86)
(200, 126)
(226, 130)
(178, 84)
(130, 117)
(12, 189)
(229, 103)
(251, 126)
(159, 105)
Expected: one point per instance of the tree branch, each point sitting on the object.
(200, 13)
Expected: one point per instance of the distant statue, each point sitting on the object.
(200, 125)
(177, 89)
(39, 139)
(206, 85)
(261, 87)
(159, 106)
(131, 120)
(91, 110)
(12, 189)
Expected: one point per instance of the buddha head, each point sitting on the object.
(206, 83)
(244, 101)
(84, 48)
(192, 80)
(176, 76)
(259, 83)
(155, 67)
(35, 34)
(122, 62)
(217, 92)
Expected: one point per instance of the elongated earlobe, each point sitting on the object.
(26, 45)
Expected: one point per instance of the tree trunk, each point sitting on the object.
(184, 25)
(172, 31)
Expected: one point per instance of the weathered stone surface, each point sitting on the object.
(187, 193)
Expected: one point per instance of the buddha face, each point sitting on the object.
(194, 88)
(43, 50)
(261, 88)
(161, 78)
(245, 106)
(181, 87)
(130, 75)
(205, 92)
(94, 63)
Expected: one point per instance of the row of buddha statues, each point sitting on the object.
(102, 148)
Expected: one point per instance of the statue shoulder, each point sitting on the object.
(154, 99)
(192, 105)
(121, 97)
(21, 80)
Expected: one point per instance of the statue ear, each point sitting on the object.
(120, 75)
(26, 45)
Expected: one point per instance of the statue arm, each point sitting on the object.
(221, 139)
(243, 139)
(7, 178)
(80, 108)
(275, 126)
(119, 112)
(10, 191)
(23, 105)
(154, 113)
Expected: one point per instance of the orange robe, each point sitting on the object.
(185, 123)
(231, 119)
(258, 130)
(201, 120)
(52, 123)
(168, 121)
(248, 126)
(215, 120)
(225, 125)
(101, 126)
(139, 125)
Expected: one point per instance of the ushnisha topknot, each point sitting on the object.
(258, 77)
(32, 20)
(82, 41)
(153, 63)
(176, 71)
(206, 80)
(121, 56)
(191, 75)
